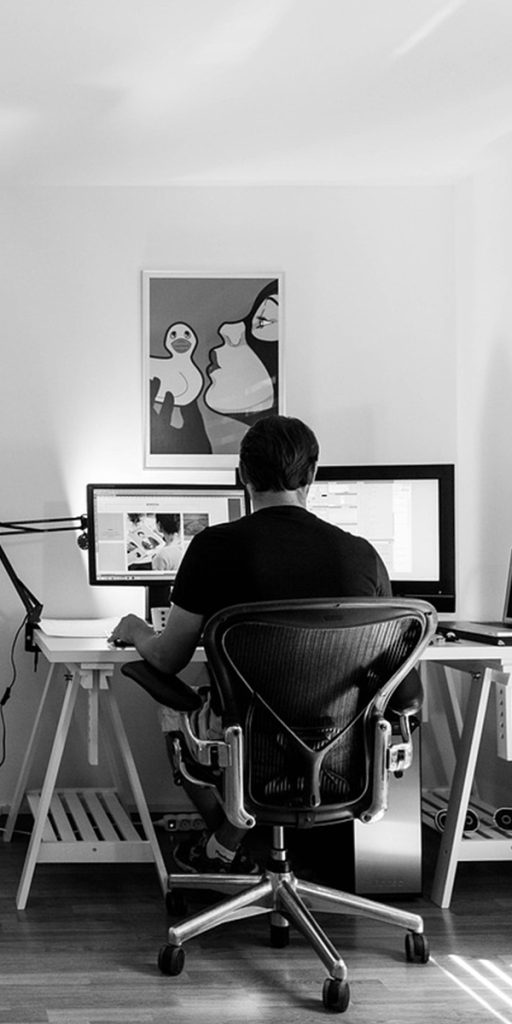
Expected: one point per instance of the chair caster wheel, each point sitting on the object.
(279, 936)
(417, 949)
(175, 903)
(171, 960)
(336, 995)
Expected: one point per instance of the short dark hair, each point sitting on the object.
(278, 453)
(169, 523)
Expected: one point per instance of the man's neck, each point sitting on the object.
(268, 499)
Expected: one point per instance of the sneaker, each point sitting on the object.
(243, 864)
(191, 857)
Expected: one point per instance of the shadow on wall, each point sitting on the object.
(51, 565)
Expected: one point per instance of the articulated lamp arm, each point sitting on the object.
(32, 605)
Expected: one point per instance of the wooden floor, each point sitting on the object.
(84, 952)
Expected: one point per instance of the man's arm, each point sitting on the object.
(383, 588)
(173, 648)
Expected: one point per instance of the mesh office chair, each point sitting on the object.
(313, 725)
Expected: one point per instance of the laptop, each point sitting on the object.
(498, 633)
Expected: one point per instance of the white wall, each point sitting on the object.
(484, 375)
(370, 363)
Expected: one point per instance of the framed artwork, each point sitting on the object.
(212, 364)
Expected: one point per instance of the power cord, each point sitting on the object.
(17, 831)
(7, 694)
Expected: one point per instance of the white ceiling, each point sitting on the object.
(246, 91)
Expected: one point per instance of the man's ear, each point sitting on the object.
(242, 474)
(311, 475)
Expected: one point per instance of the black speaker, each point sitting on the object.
(503, 818)
(470, 824)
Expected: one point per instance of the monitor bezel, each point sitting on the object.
(442, 592)
(145, 580)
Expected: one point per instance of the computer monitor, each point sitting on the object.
(138, 533)
(406, 512)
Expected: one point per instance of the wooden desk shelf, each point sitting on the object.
(479, 828)
(86, 825)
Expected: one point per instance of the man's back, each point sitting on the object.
(279, 552)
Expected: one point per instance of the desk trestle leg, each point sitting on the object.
(452, 848)
(72, 688)
(86, 825)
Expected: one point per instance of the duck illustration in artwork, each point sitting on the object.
(177, 373)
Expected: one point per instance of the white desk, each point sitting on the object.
(91, 664)
(83, 825)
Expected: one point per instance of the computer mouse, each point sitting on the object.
(118, 643)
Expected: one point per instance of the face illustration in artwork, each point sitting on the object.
(243, 369)
(177, 372)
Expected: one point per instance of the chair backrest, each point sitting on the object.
(309, 682)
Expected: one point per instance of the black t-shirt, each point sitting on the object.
(278, 553)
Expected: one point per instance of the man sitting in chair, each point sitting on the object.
(279, 552)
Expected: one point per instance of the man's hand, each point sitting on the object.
(130, 630)
(168, 651)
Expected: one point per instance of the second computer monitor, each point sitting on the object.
(406, 512)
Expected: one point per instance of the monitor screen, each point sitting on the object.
(406, 512)
(138, 533)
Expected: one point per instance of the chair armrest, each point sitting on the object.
(168, 690)
(226, 755)
(405, 704)
(408, 696)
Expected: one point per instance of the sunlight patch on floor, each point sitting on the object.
(484, 981)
